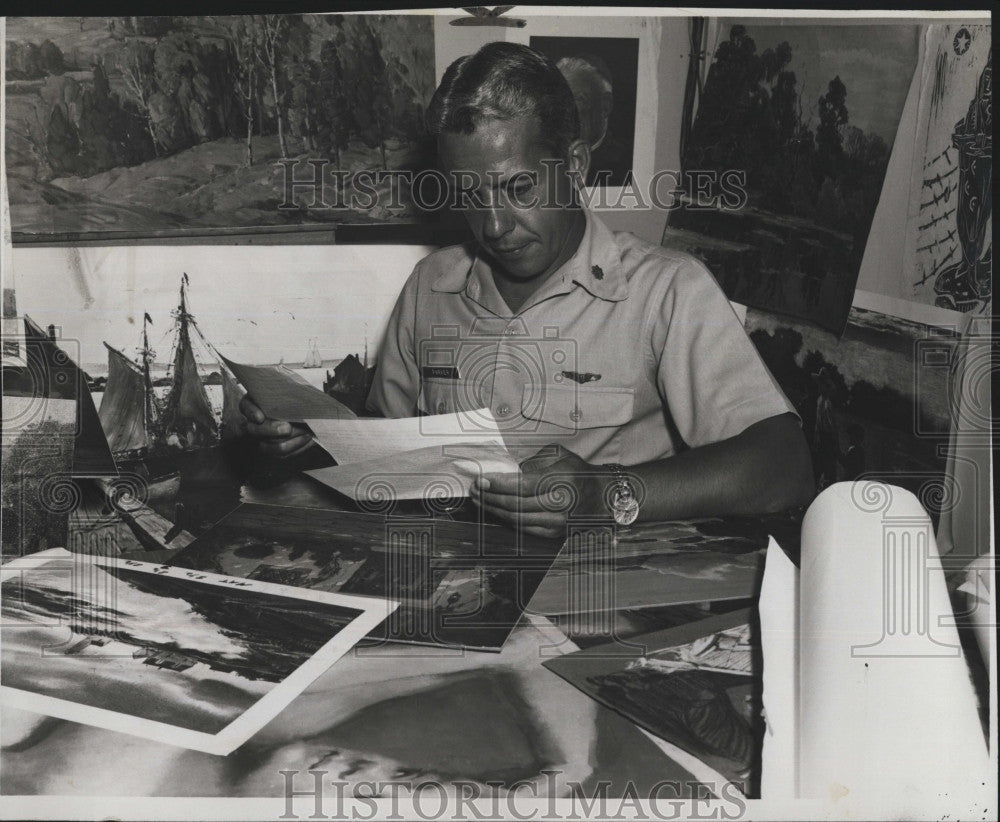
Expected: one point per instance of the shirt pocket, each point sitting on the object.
(438, 395)
(575, 407)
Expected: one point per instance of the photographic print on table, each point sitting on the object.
(459, 584)
(603, 73)
(785, 161)
(171, 126)
(696, 686)
(198, 660)
(874, 404)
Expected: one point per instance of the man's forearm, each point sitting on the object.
(764, 469)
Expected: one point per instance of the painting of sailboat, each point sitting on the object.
(313, 358)
(143, 428)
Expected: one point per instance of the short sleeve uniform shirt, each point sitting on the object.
(629, 352)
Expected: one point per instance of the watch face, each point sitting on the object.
(626, 511)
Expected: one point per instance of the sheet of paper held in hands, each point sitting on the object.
(284, 395)
(411, 458)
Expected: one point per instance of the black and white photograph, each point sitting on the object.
(511, 412)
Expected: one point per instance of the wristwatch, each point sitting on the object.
(624, 505)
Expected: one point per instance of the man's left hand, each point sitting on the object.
(553, 485)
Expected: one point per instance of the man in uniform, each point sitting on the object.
(617, 369)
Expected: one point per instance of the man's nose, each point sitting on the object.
(496, 222)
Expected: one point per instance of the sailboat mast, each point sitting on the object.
(147, 405)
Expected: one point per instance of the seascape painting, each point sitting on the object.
(802, 118)
(874, 404)
(459, 584)
(696, 686)
(157, 126)
(172, 656)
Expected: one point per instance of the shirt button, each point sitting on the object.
(576, 415)
(503, 410)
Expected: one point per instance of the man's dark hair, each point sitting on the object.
(502, 81)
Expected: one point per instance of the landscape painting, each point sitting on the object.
(696, 686)
(785, 161)
(195, 660)
(459, 584)
(160, 126)
(874, 404)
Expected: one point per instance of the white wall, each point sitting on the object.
(254, 303)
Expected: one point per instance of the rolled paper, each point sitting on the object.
(779, 646)
(888, 720)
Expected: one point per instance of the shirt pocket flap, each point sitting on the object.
(577, 406)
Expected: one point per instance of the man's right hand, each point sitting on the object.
(275, 438)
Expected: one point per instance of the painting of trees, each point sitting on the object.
(813, 163)
(173, 97)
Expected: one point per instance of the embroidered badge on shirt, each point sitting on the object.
(576, 376)
(598, 272)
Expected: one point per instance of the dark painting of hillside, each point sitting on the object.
(802, 120)
(139, 126)
(874, 404)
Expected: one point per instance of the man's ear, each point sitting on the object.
(578, 162)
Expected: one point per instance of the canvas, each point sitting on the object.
(202, 661)
(173, 126)
(785, 161)
(461, 584)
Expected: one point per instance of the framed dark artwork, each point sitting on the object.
(875, 403)
(603, 73)
(137, 127)
(785, 161)
(460, 584)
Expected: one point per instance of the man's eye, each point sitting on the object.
(521, 190)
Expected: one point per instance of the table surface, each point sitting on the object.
(383, 713)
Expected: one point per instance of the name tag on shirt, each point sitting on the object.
(441, 372)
